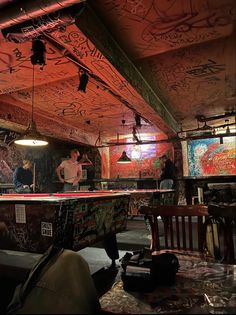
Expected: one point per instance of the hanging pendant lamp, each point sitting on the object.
(124, 158)
(85, 160)
(32, 137)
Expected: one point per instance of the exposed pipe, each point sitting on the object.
(202, 118)
(112, 144)
(26, 10)
(206, 128)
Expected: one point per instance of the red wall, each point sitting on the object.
(145, 161)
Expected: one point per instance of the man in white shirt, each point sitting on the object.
(72, 170)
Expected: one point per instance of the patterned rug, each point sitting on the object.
(200, 287)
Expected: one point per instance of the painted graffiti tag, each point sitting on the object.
(206, 69)
(184, 23)
(71, 109)
(19, 55)
(82, 47)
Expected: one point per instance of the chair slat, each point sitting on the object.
(200, 238)
(190, 231)
(177, 231)
(183, 232)
(170, 223)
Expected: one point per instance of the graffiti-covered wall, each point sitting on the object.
(207, 157)
(145, 160)
(46, 160)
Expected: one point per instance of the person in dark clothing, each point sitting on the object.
(167, 174)
(23, 178)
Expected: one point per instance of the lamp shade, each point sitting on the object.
(124, 158)
(85, 160)
(31, 137)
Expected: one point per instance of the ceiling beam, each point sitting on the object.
(90, 24)
(17, 119)
(25, 10)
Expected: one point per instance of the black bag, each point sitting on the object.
(137, 272)
(144, 274)
(164, 268)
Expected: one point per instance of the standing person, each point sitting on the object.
(23, 178)
(72, 170)
(167, 174)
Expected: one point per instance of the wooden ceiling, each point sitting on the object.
(167, 61)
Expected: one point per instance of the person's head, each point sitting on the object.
(74, 154)
(164, 158)
(27, 164)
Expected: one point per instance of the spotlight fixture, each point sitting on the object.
(138, 120)
(227, 127)
(83, 82)
(39, 50)
(31, 137)
(85, 160)
(124, 158)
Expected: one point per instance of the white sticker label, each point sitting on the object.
(46, 229)
(20, 213)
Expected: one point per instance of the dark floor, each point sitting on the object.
(136, 237)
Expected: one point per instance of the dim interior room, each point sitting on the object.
(117, 127)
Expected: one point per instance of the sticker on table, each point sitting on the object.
(20, 213)
(46, 229)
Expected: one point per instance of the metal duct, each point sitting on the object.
(202, 118)
(177, 139)
(26, 10)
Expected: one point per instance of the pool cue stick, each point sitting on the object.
(34, 178)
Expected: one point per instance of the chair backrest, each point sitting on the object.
(183, 226)
(223, 217)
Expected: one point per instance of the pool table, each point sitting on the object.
(71, 220)
(141, 197)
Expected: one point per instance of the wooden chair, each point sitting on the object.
(178, 224)
(223, 217)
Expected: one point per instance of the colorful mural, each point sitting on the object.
(144, 163)
(208, 157)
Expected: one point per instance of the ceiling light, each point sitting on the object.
(227, 130)
(124, 158)
(85, 160)
(39, 50)
(31, 137)
(83, 82)
(138, 120)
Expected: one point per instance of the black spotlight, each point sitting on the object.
(83, 82)
(39, 49)
(138, 121)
